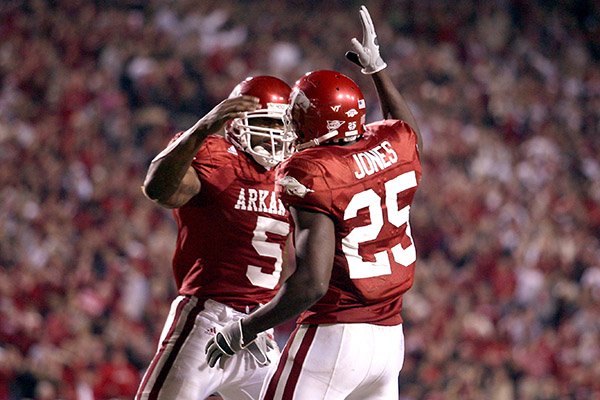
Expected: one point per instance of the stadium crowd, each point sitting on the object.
(506, 303)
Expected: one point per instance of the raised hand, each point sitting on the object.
(366, 54)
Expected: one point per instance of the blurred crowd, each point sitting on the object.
(506, 302)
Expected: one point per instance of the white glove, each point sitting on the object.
(366, 54)
(225, 343)
(259, 348)
(229, 341)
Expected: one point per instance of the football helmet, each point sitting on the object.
(325, 107)
(266, 141)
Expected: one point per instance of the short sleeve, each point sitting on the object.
(302, 184)
(214, 165)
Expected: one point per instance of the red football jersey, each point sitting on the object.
(232, 234)
(366, 188)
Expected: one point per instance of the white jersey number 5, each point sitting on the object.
(371, 200)
(267, 249)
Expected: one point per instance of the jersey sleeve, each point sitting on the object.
(302, 184)
(212, 164)
(399, 127)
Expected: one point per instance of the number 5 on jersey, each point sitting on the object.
(267, 249)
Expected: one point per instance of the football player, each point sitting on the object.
(218, 178)
(349, 190)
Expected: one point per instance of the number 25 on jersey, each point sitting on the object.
(372, 201)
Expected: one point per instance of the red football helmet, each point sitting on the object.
(325, 106)
(271, 144)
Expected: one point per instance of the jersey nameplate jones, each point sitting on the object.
(373, 160)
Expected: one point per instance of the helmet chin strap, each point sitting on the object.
(317, 141)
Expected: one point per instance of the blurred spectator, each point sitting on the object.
(117, 378)
(506, 297)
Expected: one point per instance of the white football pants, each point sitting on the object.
(338, 362)
(179, 369)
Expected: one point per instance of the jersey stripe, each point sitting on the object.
(270, 394)
(287, 374)
(181, 326)
(292, 379)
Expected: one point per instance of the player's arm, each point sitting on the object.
(314, 242)
(367, 56)
(393, 104)
(314, 249)
(171, 181)
(289, 259)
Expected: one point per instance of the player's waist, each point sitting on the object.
(234, 292)
(223, 311)
(326, 315)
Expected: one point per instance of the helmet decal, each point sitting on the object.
(299, 98)
(334, 125)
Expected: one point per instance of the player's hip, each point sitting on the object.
(337, 361)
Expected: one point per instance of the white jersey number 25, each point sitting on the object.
(397, 217)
